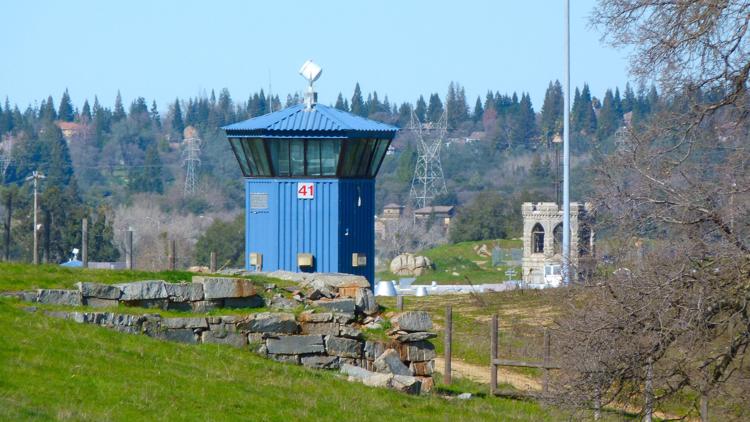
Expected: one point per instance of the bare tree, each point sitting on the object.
(676, 194)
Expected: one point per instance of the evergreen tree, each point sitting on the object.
(478, 110)
(435, 108)
(523, 127)
(340, 103)
(148, 179)
(552, 111)
(455, 103)
(86, 112)
(386, 105)
(101, 239)
(8, 121)
(358, 104)
(262, 103)
(583, 118)
(609, 120)
(178, 125)
(47, 110)
(225, 109)
(629, 100)
(404, 114)
(119, 112)
(65, 112)
(421, 109)
(154, 113)
(373, 104)
(617, 102)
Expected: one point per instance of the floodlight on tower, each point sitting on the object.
(310, 71)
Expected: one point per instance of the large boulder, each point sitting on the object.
(320, 362)
(225, 287)
(184, 292)
(97, 290)
(365, 301)
(413, 321)
(269, 322)
(344, 347)
(224, 337)
(343, 306)
(143, 290)
(322, 281)
(419, 351)
(184, 323)
(296, 345)
(406, 384)
(389, 362)
(59, 297)
(409, 264)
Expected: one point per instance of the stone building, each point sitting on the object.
(542, 240)
(443, 214)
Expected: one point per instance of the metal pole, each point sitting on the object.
(545, 380)
(85, 242)
(566, 153)
(400, 303)
(448, 341)
(36, 234)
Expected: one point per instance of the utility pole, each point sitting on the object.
(36, 176)
(566, 153)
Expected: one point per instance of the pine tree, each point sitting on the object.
(404, 114)
(373, 104)
(629, 100)
(178, 125)
(609, 120)
(340, 103)
(478, 110)
(450, 104)
(523, 127)
(47, 110)
(435, 108)
(86, 112)
(154, 113)
(617, 103)
(102, 239)
(65, 111)
(148, 179)
(358, 104)
(552, 111)
(588, 116)
(421, 109)
(119, 112)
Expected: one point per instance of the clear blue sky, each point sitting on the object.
(166, 49)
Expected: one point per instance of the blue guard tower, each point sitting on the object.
(310, 186)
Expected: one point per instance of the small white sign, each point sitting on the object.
(305, 190)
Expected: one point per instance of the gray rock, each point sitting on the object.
(232, 339)
(464, 396)
(350, 332)
(346, 347)
(244, 302)
(206, 305)
(323, 328)
(406, 384)
(296, 345)
(390, 363)
(225, 287)
(310, 316)
(285, 358)
(320, 362)
(96, 302)
(373, 349)
(97, 290)
(343, 318)
(331, 281)
(143, 290)
(268, 322)
(184, 292)
(181, 335)
(417, 351)
(405, 337)
(149, 303)
(59, 297)
(365, 302)
(355, 371)
(378, 380)
(413, 321)
(180, 306)
(283, 303)
(184, 323)
(344, 306)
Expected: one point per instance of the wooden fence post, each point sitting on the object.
(129, 249)
(172, 255)
(400, 303)
(85, 242)
(448, 342)
(545, 380)
(212, 263)
(704, 407)
(493, 356)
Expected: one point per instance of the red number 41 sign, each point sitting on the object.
(305, 190)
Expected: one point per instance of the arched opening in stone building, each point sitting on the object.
(537, 238)
(557, 237)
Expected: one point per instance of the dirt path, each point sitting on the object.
(481, 374)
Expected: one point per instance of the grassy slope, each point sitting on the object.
(59, 370)
(460, 258)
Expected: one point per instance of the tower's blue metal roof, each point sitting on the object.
(319, 122)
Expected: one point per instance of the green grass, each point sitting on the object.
(58, 370)
(461, 259)
(14, 276)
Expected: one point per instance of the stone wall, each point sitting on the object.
(328, 334)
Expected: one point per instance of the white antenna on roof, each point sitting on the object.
(311, 72)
